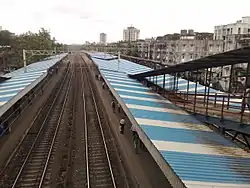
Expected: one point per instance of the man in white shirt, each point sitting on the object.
(113, 105)
(122, 124)
(118, 107)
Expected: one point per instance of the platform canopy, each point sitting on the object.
(241, 55)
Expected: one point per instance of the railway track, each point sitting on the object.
(69, 143)
(66, 151)
(28, 164)
(98, 165)
(103, 168)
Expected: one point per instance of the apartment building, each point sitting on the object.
(131, 34)
(234, 35)
(178, 48)
(239, 27)
(103, 38)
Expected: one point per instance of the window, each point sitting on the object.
(211, 47)
(239, 30)
(183, 56)
(184, 49)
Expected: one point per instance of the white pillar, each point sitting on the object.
(119, 54)
(24, 60)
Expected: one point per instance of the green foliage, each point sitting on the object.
(28, 41)
(6, 38)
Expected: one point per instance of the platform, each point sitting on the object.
(188, 152)
(20, 82)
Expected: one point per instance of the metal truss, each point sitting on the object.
(43, 52)
(36, 53)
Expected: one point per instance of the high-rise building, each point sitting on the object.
(103, 38)
(131, 34)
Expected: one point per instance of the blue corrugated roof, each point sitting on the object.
(199, 156)
(133, 68)
(20, 79)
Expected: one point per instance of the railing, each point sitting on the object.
(223, 106)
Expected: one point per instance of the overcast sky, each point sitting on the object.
(77, 21)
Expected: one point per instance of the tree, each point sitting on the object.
(6, 38)
(29, 41)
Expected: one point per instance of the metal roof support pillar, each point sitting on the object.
(195, 92)
(206, 75)
(209, 82)
(245, 88)
(187, 90)
(230, 86)
(164, 78)
(177, 82)
(174, 82)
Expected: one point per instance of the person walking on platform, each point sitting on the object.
(122, 124)
(118, 107)
(135, 138)
(103, 85)
(56, 69)
(113, 105)
(50, 72)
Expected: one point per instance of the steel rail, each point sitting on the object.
(102, 133)
(85, 130)
(56, 131)
(39, 132)
(26, 132)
